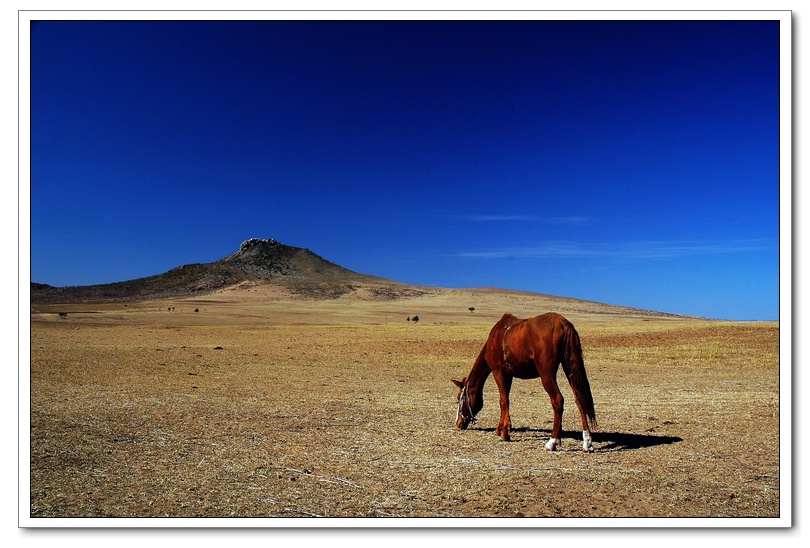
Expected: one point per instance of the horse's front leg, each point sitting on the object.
(504, 383)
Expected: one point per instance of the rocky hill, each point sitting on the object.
(260, 261)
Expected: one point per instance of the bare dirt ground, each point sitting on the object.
(259, 405)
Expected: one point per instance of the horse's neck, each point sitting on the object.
(479, 372)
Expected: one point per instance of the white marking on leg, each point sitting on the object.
(587, 444)
(551, 445)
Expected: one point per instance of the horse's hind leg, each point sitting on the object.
(557, 403)
(587, 442)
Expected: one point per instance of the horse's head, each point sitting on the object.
(468, 404)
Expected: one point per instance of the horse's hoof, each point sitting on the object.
(587, 444)
(551, 445)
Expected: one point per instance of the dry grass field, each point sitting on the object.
(257, 404)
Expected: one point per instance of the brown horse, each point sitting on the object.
(528, 349)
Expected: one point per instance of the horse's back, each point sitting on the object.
(549, 319)
(518, 346)
(540, 326)
(546, 334)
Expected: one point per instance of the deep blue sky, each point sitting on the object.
(633, 163)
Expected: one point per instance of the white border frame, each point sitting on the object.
(785, 298)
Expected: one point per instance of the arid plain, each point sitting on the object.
(252, 402)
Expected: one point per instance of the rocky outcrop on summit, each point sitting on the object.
(268, 259)
(257, 261)
(255, 247)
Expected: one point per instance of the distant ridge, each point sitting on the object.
(301, 274)
(258, 261)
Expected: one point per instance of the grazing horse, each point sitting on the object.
(528, 349)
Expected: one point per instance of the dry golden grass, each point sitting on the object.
(259, 405)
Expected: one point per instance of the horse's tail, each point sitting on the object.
(574, 368)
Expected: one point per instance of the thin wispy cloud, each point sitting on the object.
(491, 218)
(496, 218)
(567, 220)
(619, 250)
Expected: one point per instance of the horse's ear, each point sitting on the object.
(458, 383)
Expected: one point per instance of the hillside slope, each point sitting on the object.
(258, 261)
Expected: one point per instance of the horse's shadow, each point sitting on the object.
(603, 441)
